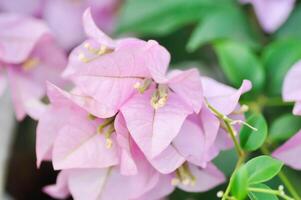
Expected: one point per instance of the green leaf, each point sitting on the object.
(227, 23)
(262, 168)
(251, 140)
(278, 58)
(239, 185)
(157, 17)
(261, 196)
(238, 63)
(284, 127)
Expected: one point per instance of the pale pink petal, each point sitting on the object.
(59, 190)
(127, 163)
(60, 113)
(289, 151)
(153, 130)
(196, 138)
(108, 183)
(272, 13)
(168, 160)
(188, 85)
(191, 143)
(206, 179)
(82, 146)
(26, 94)
(291, 90)
(28, 7)
(162, 189)
(94, 32)
(158, 61)
(222, 97)
(18, 36)
(297, 108)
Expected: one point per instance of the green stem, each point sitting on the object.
(228, 189)
(283, 177)
(239, 150)
(269, 191)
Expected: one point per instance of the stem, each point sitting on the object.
(283, 177)
(238, 164)
(230, 129)
(239, 150)
(268, 191)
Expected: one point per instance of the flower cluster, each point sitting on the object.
(129, 129)
(28, 57)
(63, 16)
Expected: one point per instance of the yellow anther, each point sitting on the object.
(184, 175)
(137, 85)
(91, 117)
(83, 58)
(159, 97)
(105, 123)
(108, 133)
(142, 87)
(109, 143)
(175, 181)
(30, 64)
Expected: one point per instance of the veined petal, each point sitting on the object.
(289, 150)
(222, 97)
(18, 36)
(59, 190)
(82, 146)
(94, 32)
(153, 130)
(127, 163)
(188, 85)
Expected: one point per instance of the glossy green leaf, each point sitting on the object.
(250, 139)
(262, 168)
(239, 187)
(261, 196)
(238, 63)
(227, 23)
(284, 127)
(161, 17)
(278, 58)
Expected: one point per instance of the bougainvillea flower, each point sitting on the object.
(271, 14)
(29, 57)
(72, 138)
(292, 87)
(110, 184)
(288, 151)
(120, 68)
(64, 18)
(225, 99)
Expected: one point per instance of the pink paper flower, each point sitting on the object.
(225, 99)
(110, 184)
(67, 136)
(292, 87)
(64, 16)
(271, 13)
(288, 151)
(29, 57)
